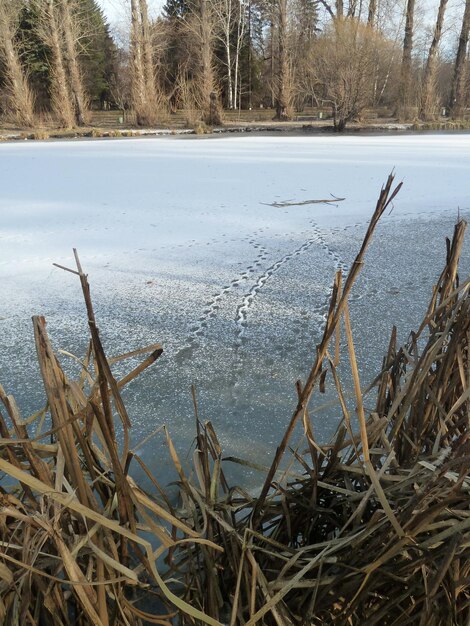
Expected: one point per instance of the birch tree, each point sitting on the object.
(230, 28)
(241, 30)
(224, 12)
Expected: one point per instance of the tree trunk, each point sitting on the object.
(352, 8)
(209, 104)
(21, 101)
(250, 53)
(404, 97)
(139, 99)
(457, 98)
(272, 64)
(282, 96)
(60, 95)
(207, 79)
(428, 104)
(227, 16)
(149, 70)
(73, 68)
(230, 97)
(228, 53)
(372, 12)
(240, 35)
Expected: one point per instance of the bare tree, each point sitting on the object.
(144, 89)
(240, 34)
(71, 37)
(201, 90)
(20, 98)
(207, 83)
(428, 104)
(50, 32)
(224, 13)
(372, 12)
(230, 29)
(343, 66)
(283, 77)
(303, 24)
(457, 98)
(137, 62)
(59, 27)
(149, 68)
(404, 95)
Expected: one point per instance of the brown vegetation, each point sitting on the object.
(145, 97)
(458, 93)
(429, 104)
(57, 58)
(282, 82)
(344, 65)
(20, 97)
(405, 92)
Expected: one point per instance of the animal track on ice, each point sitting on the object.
(321, 309)
(211, 307)
(243, 308)
(337, 261)
(221, 240)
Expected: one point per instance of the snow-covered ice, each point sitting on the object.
(182, 247)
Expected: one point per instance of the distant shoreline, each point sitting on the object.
(296, 129)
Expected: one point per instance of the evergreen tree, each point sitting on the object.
(98, 60)
(33, 54)
(176, 8)
(97, 57)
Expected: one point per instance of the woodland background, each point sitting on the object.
(59, 59)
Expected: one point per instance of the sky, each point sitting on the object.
(116, 11)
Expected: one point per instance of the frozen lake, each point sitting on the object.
(182, 247)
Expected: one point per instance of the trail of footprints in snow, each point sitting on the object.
(366, 290)
(321, 309)
(198, 330)
(243, 308)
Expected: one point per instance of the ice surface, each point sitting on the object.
(182, 247)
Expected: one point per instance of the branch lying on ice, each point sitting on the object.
(332, 200)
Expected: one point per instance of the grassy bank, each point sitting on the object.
(123, 124)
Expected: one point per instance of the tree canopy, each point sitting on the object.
(201, 55)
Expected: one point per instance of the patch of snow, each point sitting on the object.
(181, 248)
